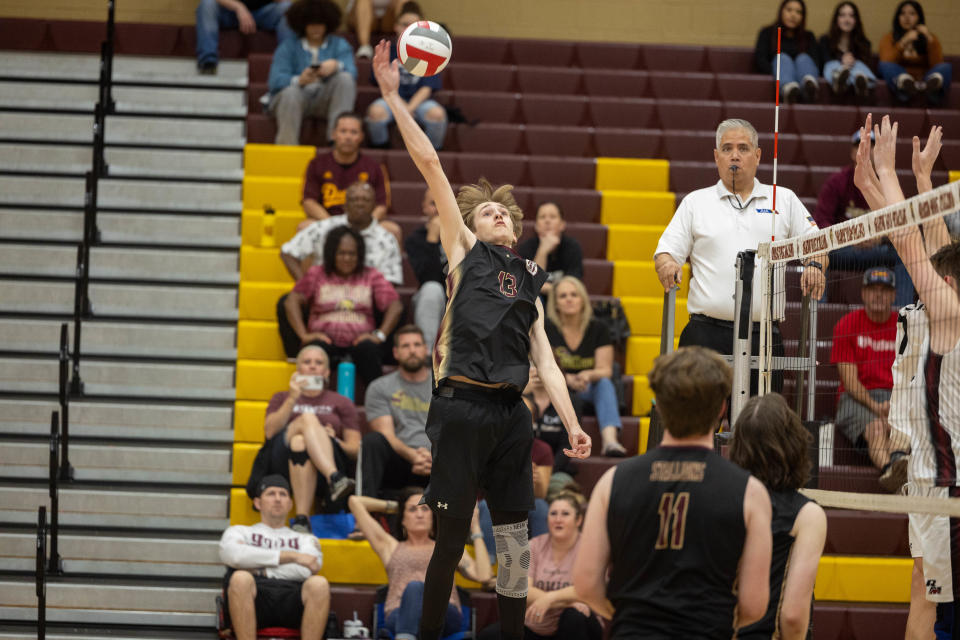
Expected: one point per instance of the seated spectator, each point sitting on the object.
(427, 258)
(396, 450)
(584, 352)
(245, 15)
(383, 250)
(863, 350)
(800, 57)
(553, 608)
(911, 58)
(271, 576)
(416, 91)
(557, 254)
(405, 556)
(840, 200)
(341, 297)
(845, 51)
(313, 74)
(310, 430)
(368, 16)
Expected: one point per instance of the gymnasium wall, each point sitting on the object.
(732, 22)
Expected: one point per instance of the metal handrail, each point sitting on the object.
(41, 577)
(66, 471)
(55, 565)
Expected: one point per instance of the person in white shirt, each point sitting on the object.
(271, 579)
(713, 224)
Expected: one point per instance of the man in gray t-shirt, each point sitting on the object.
(396, 452)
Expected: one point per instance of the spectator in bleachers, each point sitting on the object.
(396, 450)
(911, 58)
(416, 91)
(341, 297)
(800, 59)
(368, 16)
(271, 576)
(312, 74)
(840, 200)
(245, 15)
(547, 425)
(312, 436)
(427, 258)
(405, 556)
(864, 346)
(845, 51)
(582, 347)
(557, 253)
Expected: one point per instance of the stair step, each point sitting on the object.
(126, 548)
(73, 632)
(122, 228)
(122, 161)
(102, 338)
(112, 263)
(129, 421)
(122, 194)
(121, 378)
(181, 302)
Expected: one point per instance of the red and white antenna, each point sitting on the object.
(776, 140)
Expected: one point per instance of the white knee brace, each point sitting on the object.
(513, 559)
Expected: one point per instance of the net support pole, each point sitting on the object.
(742, 332)
(812, 369)
(655, 430)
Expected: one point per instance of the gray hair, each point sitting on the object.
(737, 123)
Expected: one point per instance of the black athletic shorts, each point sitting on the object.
(482, 441)
(278, 602)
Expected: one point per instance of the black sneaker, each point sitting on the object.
(907, 84)
(810, 88)
(207, 68)
(861, 86)
(791, 93)
(341, 486)
(301, 524)
(934, 84)
(840, 79)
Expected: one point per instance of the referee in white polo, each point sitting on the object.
(713, 224)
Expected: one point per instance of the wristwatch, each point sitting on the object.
(380, 335)
(814, 263)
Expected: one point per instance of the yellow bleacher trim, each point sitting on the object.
(645, 315)
(632, 241)
(243, 455)
(259, 340)
(263, 264)
(954, 176)
(641, 352)
(639, 278)
(644, 426)
(863, 579)
(258, 300)
(256, 231)
(637, 207)
(632, 174)
(276, 160)
(276, 193)
(259, 379)
(642, 395)
(248, 418)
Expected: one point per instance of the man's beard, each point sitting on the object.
(412, 365)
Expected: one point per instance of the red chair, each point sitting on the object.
(266, 633)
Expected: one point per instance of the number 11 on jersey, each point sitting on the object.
(673, 519)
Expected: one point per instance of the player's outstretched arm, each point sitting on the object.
(593, 557)
(455, 237)
(753, 591)
(865, 175)
(810, 532)
(935, 232)
(556, 386)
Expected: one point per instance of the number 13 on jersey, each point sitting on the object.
(673, 519)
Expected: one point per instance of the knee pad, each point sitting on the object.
(513, 559)
(299, 457)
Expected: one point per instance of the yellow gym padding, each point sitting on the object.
(260, 379)
(257, 231)
(258, 300)
(248, 418)
(954, 176)
(637, 207)
(630, 174)
(641, 352)
(644, 426)
(243, 455)
(276, 160)
(632, 241)
(261, 264)
(645, 315)
(275, 193)
(349, 561)
(863, 579)
(642, 395)
(259, 340)
(639, 278)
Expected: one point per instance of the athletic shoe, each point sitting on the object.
(934, 84)
(791, 92)
(840, 78)
(365, 51)
(341, 486)
(907, 84)
(810, 88)
(894, 474)
(301, 524)
(207, 68)
(614, 450)
(861, 86)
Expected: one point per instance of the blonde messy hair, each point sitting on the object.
(471, 196)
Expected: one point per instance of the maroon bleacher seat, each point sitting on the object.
(686, 145)
(834, 120)
(949, 119)
(830, 621)
(598, 276)
(574, 173)
(949, 153)
(490, 137)
(875, 622)
(826, 150)
(498, 169)
(628, 143)
(795, 177)
(146, 39)
(592, 238)
(258, 67)
(629, 113)
(745, 87)
(23, 34)
(683, 85)
(579, 205)
(760, 115)
(819, 175)
(547, 140)
(617, 84)
(788, 148)
(689, 114)
(81, 37)
(608, 55)
(687, 176)
(729, 59)
(487, 107)
(406, 197)
(673, 57)
(555, 80)
(845, 528)
(401, 167)
(570, 111)
(467, 76)
(544, 53)
(843, 289)
(254, 91)
(486, 50)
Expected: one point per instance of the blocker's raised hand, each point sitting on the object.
(386, 72)
(923, 160)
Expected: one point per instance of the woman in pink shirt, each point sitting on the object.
(341, 296)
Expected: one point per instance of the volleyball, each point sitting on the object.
(424, 48)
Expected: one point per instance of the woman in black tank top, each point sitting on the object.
(770, 442)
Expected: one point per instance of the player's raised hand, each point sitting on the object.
(865, 176)
(580, 443)
(385, 71)
(923, 160)
(885, 150)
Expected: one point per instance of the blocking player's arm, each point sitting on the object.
(753, 579)
(935, 232)
(809, 532)
(455, 237)
(593, 556)
(553, 381)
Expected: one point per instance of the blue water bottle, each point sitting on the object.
(346, 377)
